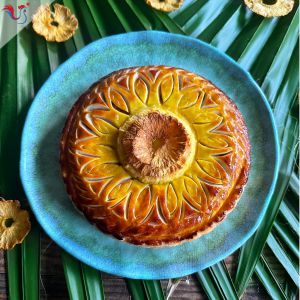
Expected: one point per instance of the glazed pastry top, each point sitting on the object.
(155, 155)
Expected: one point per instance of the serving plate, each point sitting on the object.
(40, 170)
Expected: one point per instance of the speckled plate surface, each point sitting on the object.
(40, 170)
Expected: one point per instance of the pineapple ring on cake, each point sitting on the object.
(155, 155)
(156, 146)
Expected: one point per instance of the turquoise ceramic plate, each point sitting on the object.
(45, 189)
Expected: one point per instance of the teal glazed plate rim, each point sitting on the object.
(46, 192)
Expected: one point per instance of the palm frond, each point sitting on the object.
(221, 276)
(31, 264)
(289, 217)
(290, 290)
(125, 15)
(9, 110)
(209, 286)
(13, 260)
(72, 270)
(136, 289)
(217, 281)
(275, 74)
(147, 25)
(30, 249)
(251, 251)
(294, 182)
(153, 289)
(268, 48)
(92, 283)
(287, 236)
(269, 281)
(289, 264)
(287, 93)
(249, 54)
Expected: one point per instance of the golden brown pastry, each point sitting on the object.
(155, 155)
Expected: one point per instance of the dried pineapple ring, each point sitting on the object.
(270, 9)
(57, 26)
(165, 5)
(14, 224)
(163, 146)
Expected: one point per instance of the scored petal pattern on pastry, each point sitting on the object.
(187, 156)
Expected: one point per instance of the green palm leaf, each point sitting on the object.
(125, 15)
(265, 275)
(218, 277)
(31, 264)
(25, 91)
(72, 270)
(13, 260)
(290, 291)
(280, 63)
(139, 14)
(136, 289)
(286, 236)
(268, 48)
(153, 290)
(251, 251)
(209, 286)
(22, 262)
(252, 50)
(83, 282)
(287, 93)
(290, 265)
(92, 283)
(294, 182)
(289, 217)
(168, 23)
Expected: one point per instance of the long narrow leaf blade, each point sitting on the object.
(208, 285)
(277, 70)
(9, 153)
(92, 283)
(168, 22)
(291, 291)
(289, 217)
(139, 14)
(153, 290)
(194, 20)
(136, 289)
(31, 264)
(287, 236)
(222, 278)
(268, 280)
(13, 258)
(72, 270)
(251, 251)
(294, 183)
(25, 93)
(284, 259)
